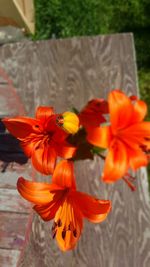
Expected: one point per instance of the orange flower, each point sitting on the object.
(41, 139)
(61, 201)
(124, 138)
(92, 114)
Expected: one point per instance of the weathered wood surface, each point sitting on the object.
(8, 257)
(67, 73)
(14, 216)
(14, 211)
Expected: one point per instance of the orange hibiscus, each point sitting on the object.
(125, 137)
(60, 201)
(92, 114)
(41, 138)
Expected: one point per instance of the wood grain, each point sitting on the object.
(12, 230)
(64, 74)
(10, 201)
(8, 257)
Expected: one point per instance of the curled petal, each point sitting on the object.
(44, 113)
(37, 193)
(44, 159)
(48, 211)
(137, 158)
(121, 110)
(136, 134)
(92, 114)
(146, 144)
(140, 111)
(133, 97)
(21, 127)
(29, 146)
(116, 163)
(99, 136)
(64, 174)
(65, 151)
(94, 210)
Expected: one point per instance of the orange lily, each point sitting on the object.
(41, 139)
(61, 201)
(92, 114)
(124, 137)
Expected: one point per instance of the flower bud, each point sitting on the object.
(69, 122)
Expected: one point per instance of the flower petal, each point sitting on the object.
(92, 113)
(65, 151)
(44, 113)
(29, 146)
(59, 135)
(70, 225)
(48, 211)
(44, 159)
(138, 131)
(38, 193)
(140, 111)
(137, 159)
(121, 110)
(94, 210)
(21, 127)
(99, 136)
(136, 135)
(64, 174)
(116, 163)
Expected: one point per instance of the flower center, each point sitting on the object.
(65, 220)
(65, 229)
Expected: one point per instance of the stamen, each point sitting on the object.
(37, 147)
(69, 227)
(63, 234)
(129, 182)
(54, 226)
(75, 233)
(54, 234)
(59, 223)
(54, 230)
(144, 148)
(60, 120)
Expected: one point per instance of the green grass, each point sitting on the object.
(144, 84)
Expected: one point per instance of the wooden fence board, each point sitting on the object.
(8, 179)
(12, 230)
(67, 73)
(10, 201)
(8, 257)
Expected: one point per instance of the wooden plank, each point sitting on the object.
(10, 103)
(11, 201)
(9, 178)
(9, 10)
(9, 258)
(70, 72)
(26, 10)
(12, 230)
